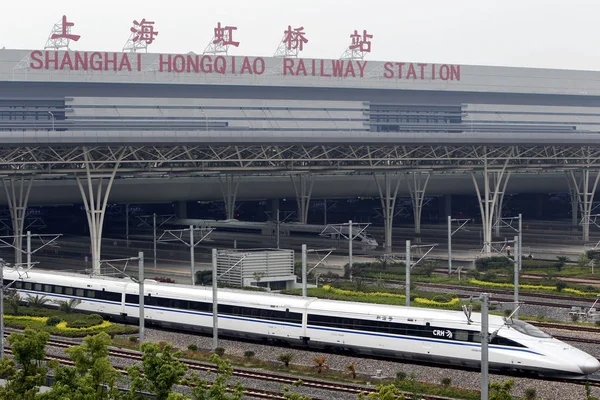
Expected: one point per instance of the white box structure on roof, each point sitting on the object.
(251, 267)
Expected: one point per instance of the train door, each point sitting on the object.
(279, 328)
(425, 344)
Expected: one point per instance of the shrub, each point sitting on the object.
(583, 260)
(220, 351)
(204, 278)
(351, 368)
(95, 319)
(446, 381)
(79, 323)
(560, 285)
(37, 301)
(483, 264)
(574, 317)
(164, 279)
(53, 321)
(473, 273)
(285, 359)
(530, 394)
(67, 306)
(133, 339)
(598, 323)
(440, 298)
(401, 375)
(192, 347)
(489, 276)
(248, 354)
(320, 363)
(593, 254)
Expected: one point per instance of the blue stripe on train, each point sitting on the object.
(320, 328)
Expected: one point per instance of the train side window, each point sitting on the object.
(47, 288)
(91, 294)
(69, 291)
(132, 298)
(79, 292)
(461, 335)
(476, 337)
(37, 287)
(18, 285)
(27, 285)
(58, 289)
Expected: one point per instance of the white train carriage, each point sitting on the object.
(398, 332)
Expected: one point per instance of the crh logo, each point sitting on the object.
(445, 333)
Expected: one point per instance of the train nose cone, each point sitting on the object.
(590, 366)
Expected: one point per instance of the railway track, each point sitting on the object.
(507, 294)
(290, 380)
(286, 380)
(283, 379)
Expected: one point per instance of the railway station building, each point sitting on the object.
(96, 128)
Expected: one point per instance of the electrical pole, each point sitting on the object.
(141, 294)
(516, 274)
(461, 224)
(304, 290)
(177, 235)
(28, 249)
(192, 251)
(449, 244)
(127, 224)
(350, 238)
(408, 273)
(154, 238)
(277, 228)
(484, 346)
(215, 342)
(520, 242)
(2, 309)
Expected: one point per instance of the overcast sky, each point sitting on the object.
(523, 33)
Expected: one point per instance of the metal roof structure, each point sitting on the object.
(94, 119)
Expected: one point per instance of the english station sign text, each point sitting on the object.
(238, 65)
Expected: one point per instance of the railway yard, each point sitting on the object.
(554, 314)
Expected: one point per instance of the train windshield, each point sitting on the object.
(527, 329)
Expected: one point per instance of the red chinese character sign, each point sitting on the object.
(222, 39)
(292, 43)
(141, 35)
(61, 35)
(359, 46)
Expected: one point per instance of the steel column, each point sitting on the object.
(17, 203)
(586, 190)
(417, 195)
(500, 201)
(95, 205)
(229, 189)
(388, 205)
(488, 200)
(303, 194)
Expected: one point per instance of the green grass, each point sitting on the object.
(113, 329)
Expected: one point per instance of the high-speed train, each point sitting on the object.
(418, 334)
